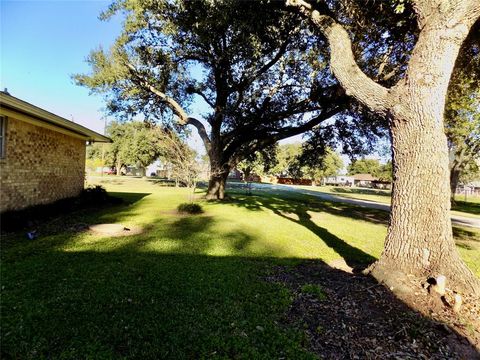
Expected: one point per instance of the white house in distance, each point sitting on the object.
(339, 180)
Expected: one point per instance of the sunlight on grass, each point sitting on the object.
(76, 294)
(271, 224)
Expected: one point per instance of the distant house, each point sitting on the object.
(341, 180)
(472, 188)
(235, 174)
(363, 180)
(293, 181)
(42, 155)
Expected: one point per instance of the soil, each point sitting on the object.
(113, 230)
(358, 318)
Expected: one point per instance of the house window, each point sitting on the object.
(3, 122)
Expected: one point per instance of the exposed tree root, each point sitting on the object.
(457, 276)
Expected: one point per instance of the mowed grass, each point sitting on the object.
(468, 208)
(190, 286)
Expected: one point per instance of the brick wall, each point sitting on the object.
(40, 166)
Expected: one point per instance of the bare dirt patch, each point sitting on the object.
(358, 318)
(113, 230)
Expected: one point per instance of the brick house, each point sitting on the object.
(42, 155)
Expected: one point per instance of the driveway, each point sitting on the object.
(456, 219)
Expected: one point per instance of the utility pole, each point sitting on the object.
(103, 145)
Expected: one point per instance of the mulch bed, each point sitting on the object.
(361, 319)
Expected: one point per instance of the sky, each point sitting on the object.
(43, 43)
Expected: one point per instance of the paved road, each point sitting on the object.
(456, 219)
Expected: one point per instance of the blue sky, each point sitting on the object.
(43, 43)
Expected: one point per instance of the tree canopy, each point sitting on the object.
(134, 143)
(261, 78)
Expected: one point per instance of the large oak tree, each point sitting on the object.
(419, 239)
(260, 75)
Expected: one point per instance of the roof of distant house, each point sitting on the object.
(364, 177)
(8, 101)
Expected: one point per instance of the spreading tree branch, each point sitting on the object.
(250, 142)
(204, 97)
(342, 60)
(184, 119)
(201, 131)
(247, 80)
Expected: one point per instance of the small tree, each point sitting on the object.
(287, 160)
(134, 143)
(180, 157)
(259, 163)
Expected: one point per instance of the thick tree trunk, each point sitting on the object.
(119, 168)
(246, 173)
(419, 239)
(216, 186)
(219, 171)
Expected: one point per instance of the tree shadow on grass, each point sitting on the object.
(361, 191)
(467, 239)
(353, 256)
(134, 303)
(161, 295)
(463, 234)
(468, 207)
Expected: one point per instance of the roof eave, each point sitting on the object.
(26, 108)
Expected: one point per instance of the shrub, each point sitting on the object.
(190, 208)
(91, 197)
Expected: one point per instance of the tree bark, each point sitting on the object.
(219, 170)
(142, 170)
(216, 186)
(419, 239)
(119, 168)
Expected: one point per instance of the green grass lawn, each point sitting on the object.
(469, 208)
(189, 286)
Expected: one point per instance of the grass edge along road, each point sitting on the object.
(468, 208)
(189, 286)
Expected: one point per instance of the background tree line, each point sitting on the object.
(140, 144)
